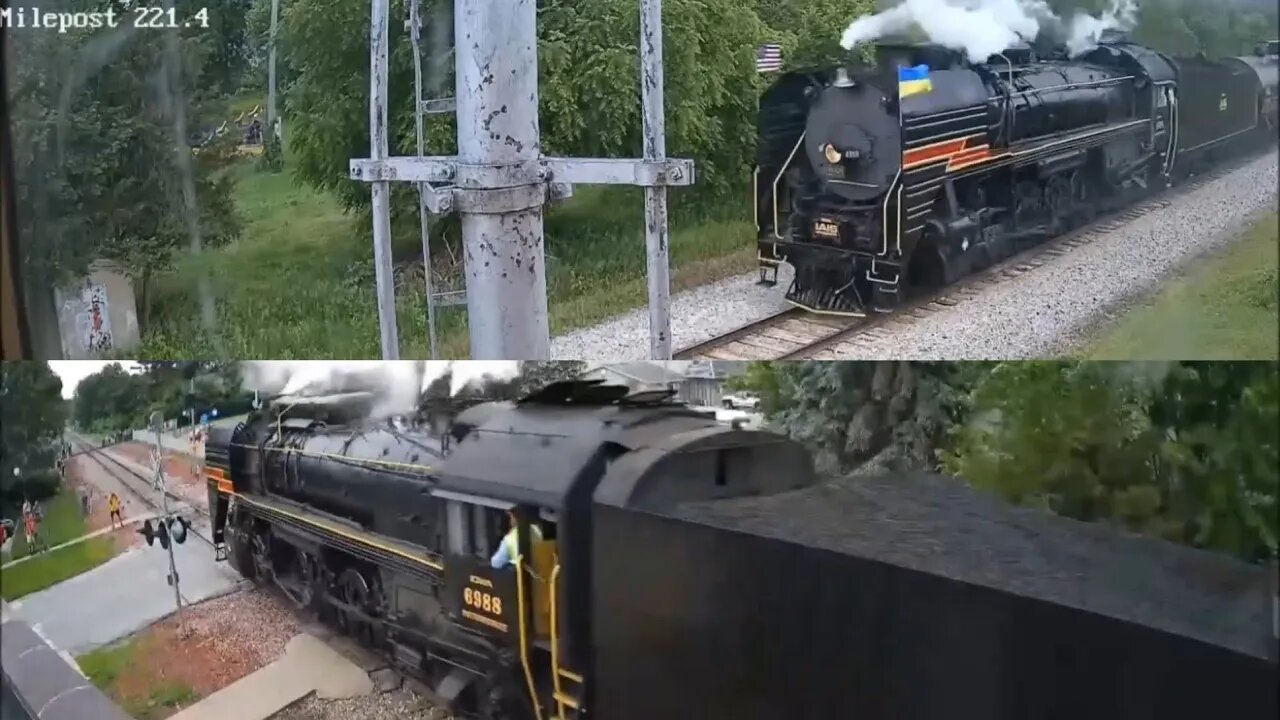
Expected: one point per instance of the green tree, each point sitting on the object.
(110, 400)
(762, 378)
(809, 30)
(1185, 451)
(589, 87)
(32, 416)
(864, 416)
(227, 41)
(102, 169)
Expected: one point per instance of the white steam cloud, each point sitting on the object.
(982, 28)
(398, 384)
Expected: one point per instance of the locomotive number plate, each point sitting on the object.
(826, 229)
(483, 605)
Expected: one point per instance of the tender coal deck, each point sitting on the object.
(943, 527)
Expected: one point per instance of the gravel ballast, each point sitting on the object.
(1041, 313)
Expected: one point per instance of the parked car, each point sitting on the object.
(743, 400)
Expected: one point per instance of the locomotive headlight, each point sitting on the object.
(832, 154)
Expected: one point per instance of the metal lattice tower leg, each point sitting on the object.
(499, 182)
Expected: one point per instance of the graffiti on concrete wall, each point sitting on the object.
(93, 323)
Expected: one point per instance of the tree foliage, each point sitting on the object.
(32, 415)
(97, 153)
(863, 416)
(115, 399)
(1186, 451)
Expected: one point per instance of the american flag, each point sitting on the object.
(768, 58)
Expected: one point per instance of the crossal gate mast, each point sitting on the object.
(499, 181)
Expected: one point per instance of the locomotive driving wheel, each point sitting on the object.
(354, 591)
(1059, 195)
(1028, 204)
(305, 566)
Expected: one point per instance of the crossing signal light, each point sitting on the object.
(178, 529)
(165, 530)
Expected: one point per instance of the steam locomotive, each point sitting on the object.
(638, 599)
(868, 192)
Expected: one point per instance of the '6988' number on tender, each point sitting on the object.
(482, 601)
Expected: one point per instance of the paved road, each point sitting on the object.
(123, 595)
(130, 591)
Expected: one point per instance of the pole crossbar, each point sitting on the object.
(499, 182)
(574, 171)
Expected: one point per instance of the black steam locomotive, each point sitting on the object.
(867, 193)
(687, 568)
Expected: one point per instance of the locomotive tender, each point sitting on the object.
(688, 568)
(868, 193)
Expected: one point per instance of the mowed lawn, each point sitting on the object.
(62, 522)
(120, 671)
(1224, 308)
(300, 284)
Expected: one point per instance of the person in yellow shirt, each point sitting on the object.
(509, 548)
(113, 504)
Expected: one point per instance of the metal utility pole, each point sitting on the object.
(156, 421)
(499, 181)
(497, 96)
(433, 106)
(657, 256)
(271, 68)
(378, 150)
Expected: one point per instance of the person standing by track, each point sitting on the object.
(113, 504)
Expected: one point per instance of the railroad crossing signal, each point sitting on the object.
(172, 528)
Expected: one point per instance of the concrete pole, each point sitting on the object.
(378, 150)
(657, 253)
(156, 421)
(496, 66)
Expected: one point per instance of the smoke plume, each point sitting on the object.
(982, 28)
(397, 385)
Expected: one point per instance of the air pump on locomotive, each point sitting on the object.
(387, 529)
(867, 193)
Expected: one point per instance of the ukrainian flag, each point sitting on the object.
(913, 81)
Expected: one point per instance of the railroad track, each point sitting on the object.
(140, 486)
(796, 334)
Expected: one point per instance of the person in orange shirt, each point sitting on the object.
(33, 533)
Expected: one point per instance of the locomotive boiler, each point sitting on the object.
(867, 191)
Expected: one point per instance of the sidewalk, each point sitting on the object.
(308, 665)
(123, 595)
(88, 536)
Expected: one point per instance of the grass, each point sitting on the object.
(62, 523)
(1226, 308)
(109, 667)
(299, 282)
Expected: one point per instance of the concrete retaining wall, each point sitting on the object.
(44, 683)
(97, 314)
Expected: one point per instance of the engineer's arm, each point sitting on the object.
(501, 558)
